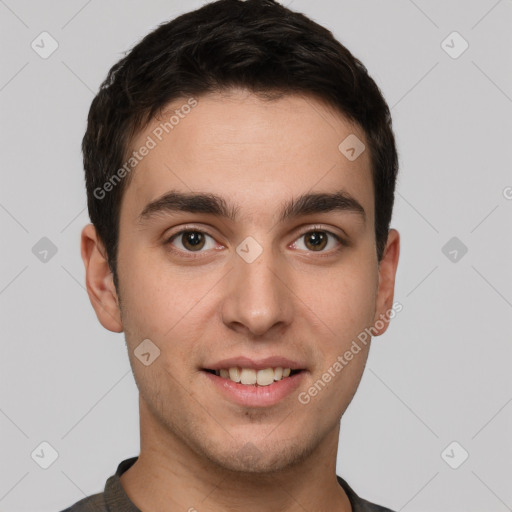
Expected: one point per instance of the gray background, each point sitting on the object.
(441, 373)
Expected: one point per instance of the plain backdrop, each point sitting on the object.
(437, 387)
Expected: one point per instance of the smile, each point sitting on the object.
(252, 377)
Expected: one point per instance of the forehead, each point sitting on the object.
(251, 151)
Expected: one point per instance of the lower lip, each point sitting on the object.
(256, 396)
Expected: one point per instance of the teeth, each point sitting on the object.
(265, 377)
(278, 373)
(234, 374)
(249, 376)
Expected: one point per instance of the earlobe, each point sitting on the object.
(387, 273)
(99, 281)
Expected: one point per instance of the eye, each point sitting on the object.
(192, 240)
(317, 240)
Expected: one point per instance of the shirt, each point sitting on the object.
(114, 499)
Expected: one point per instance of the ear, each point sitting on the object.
(386, 289)
(99, 280)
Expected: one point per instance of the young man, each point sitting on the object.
(240, 168)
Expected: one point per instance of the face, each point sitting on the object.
(272, 272)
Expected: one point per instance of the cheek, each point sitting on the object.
(345, 307)
(341, 301)
(149, 296)
(163, 304)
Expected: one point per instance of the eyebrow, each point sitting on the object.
(209, 203)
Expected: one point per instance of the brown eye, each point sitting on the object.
(191, 241)
(318, 240)
(315, 240)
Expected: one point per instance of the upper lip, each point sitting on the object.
(255, 364)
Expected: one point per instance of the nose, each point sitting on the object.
(258, 298)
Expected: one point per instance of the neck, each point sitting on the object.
(169, 476)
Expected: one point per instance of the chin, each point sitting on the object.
(264, 457)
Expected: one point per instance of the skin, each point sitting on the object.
(291, 301)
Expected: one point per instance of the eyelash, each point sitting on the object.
(313, 229)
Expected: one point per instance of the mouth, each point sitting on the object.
(251, 382)
(262, 386)
(254, 377)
